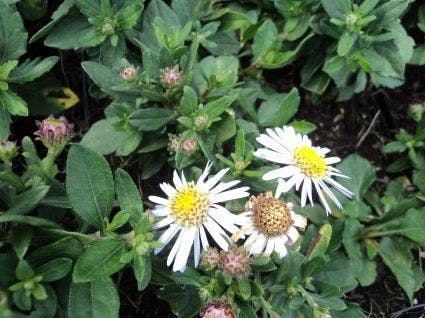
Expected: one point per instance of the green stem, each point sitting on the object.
(382, 233)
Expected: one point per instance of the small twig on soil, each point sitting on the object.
(400, 312)
(368, 130)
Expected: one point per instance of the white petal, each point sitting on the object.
(293, 235)
(230, 195)
(322, 150)
(211, 182)
(223, 186)
(259, 244)
(304, 191)
(217, 233)
(226, 220)
(287, 185)
(167, 236)
(183, 178)
(332, 160)
(184, 250)
(196, 249)
(269, 142)
(273, 156)
(339, 187)
(279, 246)
(168, 189)
(299, 221)
(298, 179)
(175, 247)
(269, 247)
(330, 194)
(284, 172)
(162, 223)
(321, 197)
(307, 184)
(158, 200)
(176, 180)
(204, 174)
(251, 240)
(204, 240)
(164, 211)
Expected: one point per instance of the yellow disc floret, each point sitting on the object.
(190, 206)
(310, 162)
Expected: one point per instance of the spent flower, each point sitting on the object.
(304, 165)
(270, 224)
(193, 208)
(54, 132)
(210, 258)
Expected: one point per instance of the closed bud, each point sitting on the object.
(219, 309)
(129, 73)
(8, 150)
(201, 121)
(54, 132)
(108, 27)
(189, 146)
(171, 77)
(416, 111)
(235, 262)
(210, 258)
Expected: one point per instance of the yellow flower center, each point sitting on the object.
(310, 162)
(270, 216)
(190, 206)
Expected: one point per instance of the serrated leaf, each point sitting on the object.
(128, 195)
(54, 270)
(149, 119)
(278, 109)
(30, 70)
(13, 37)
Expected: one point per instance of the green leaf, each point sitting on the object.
(24, 271)
(67, 247)
(320, 243)
(30, 70)
(264, 39)
(4, 123)
(89, 185)
(99, 260)
(13, 37)
(412, 225)
(278, 109)
(20, 237)
(303, 127)
(398, 258)
(13, 104)
(129, 14)
(218, 106)
(361, 173)
(189, 101)
(346, 42)
(30, 220)
(28, 200)
(104, 138)
(142, 268)
(419, 179)
(336, 8)
(6, 68)
(225, 128)
(54, 270)
(97, 299)
(90, 8)
(128, 195)
(183, 302)
(149, 119)
(244, 287)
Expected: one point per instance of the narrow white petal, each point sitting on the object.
(204, 174)
(217, 233)
(204, 239)
(162, 223)
(230, 195)
(304, 192)
(158, 200)
(259, 244)
(223, 186)
(251, 240)
(226, 220)
(332, 160)
(307, 184)
(163, 211)
(279, 246)
(269, 247)
(183, 178)
(287, 185)
(322, 150)
(299, 221)
(293, 234)
(298, 179)
(167, 236)
(184, 250)
(321, 197)
(269, 142)
(168, 189)
(339, 187)
(330, 194)
(211, 182)
(176, 180)
(284, 172)
(175, 247)
(196, 249)
(273, 156)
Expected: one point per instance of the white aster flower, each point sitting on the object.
(304, 164)
(192, 209)
(270, 224)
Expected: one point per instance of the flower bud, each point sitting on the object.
(54, 132)
(235, 262)
(189, 146)
(351, 19)
(239, 165)
(218, 309)
(210, 258)
(107, 27)
(416, 111)
(8, 150)
(171, 77)
(129, 73)
(201, 121)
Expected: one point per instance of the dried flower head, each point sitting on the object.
(171, 77)
(219, 309)
(210, 258)
(8, 150)
(235, 262)
(54, 132)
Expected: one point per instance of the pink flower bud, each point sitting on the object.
(235, 262)
(8, 150)
(189, 146)
(54, 132)
(171, 77)
(129, 73)
(218, 309)
(210, 258)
